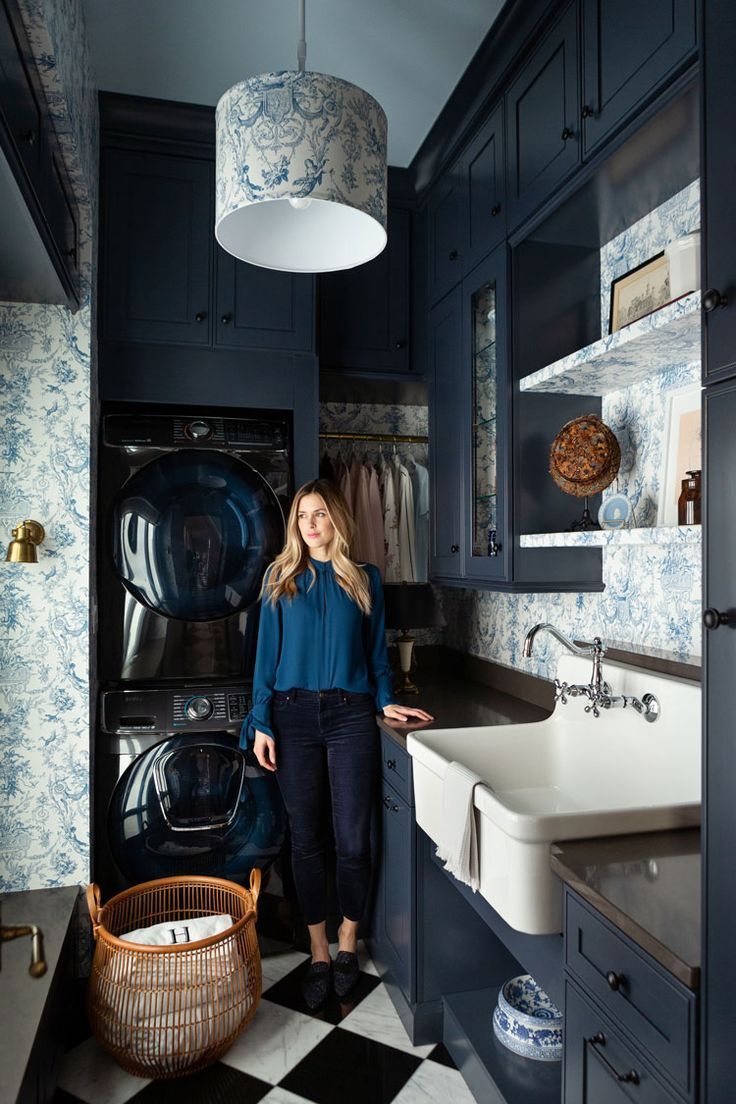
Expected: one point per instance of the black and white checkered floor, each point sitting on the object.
(351, 1052)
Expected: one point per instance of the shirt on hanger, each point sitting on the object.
(390, 523)
(420, 484)
(407, 544)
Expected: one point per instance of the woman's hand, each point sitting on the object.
(264, 749)
(402, 713)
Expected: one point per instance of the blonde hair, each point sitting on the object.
(294, 558)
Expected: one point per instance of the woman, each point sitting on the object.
(321, 671)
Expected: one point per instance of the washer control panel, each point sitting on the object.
(166, 711)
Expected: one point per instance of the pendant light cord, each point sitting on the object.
(301, 52)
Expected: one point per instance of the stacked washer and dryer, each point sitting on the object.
(191, 512)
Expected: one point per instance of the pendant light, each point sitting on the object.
(301, 170)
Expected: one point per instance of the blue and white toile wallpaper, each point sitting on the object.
(45, 372)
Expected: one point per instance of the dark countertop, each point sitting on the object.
(22, 997)
(459, 702)
(648, 886)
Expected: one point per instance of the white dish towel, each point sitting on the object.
(458, 848)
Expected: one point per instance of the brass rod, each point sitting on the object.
(396, 438)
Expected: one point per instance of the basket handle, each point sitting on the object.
(95, 906)
(255, 884)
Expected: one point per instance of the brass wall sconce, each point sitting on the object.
(26, 538)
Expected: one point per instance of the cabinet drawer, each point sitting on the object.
(652, 1007)
(600, 1066)
(396, 767)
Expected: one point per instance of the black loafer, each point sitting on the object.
(345, 972)
(316, 984)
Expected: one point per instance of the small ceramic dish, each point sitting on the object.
(526, 1021)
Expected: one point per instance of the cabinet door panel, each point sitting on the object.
(158, 254)
(719, 664)
(485, 418)
(629, 49)
(445, 435)
(595, 1053)
(718, 75)
(542, 120)
(262, 308)
(20, 104)
(364, 312)
(398, 889)
(446, 232)
(484, 167)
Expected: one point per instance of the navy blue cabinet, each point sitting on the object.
(364, 312)
(446, 232)
(446, 425)
(543, 119)
(629, 50)
(166, 280)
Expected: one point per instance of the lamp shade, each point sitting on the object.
(411, 606)
(301, 172)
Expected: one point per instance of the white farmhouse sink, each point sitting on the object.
(571, 776)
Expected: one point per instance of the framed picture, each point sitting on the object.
(682, 447)
(639, 292)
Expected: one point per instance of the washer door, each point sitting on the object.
(193, 532)
(195, 804)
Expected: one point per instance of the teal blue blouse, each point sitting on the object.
(319, 640)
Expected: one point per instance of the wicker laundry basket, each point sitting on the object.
(169, 1011)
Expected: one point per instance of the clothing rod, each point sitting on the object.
(396, 438)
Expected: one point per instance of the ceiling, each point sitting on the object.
(409, 54)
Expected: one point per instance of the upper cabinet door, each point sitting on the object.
(484, 171)
(446, 423)
(629, 50)
(485, 422)
(718, 83)
(261, 308)
(158, 247)
(446, 232)
(364, 313)
(543, 120)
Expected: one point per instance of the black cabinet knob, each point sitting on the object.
(713, 299)
(226, 318)
(615, 981)
(29, 137)
(454, 548)
(391, 764)
(496, 210)
(587, 112)
(453, 255)
(713, 619)
(200, 316)
(567, 133)
(401, 344)
(72, 252)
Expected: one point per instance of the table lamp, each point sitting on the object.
(410, 606)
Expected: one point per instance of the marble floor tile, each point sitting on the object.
(434, 1083)
(376, 1018)
(275, 1040)
(277, 966)
(91, 1074)
(347, 1069)
(441, 1054)
(217, 1084)
(288, 992)
(283, 1096)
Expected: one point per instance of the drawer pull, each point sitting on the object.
(390, 805)
(615, 981)
(391, 764)
(599, 1040)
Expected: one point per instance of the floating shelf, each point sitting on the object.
(598, 538)
(668, 336)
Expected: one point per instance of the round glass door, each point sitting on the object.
(193, 532)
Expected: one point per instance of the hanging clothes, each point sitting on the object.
(326, 468)
(390, 523)
(376, 520)
(420, 485)
(364, 548)
(407, 542)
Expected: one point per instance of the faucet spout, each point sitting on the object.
(597, 648)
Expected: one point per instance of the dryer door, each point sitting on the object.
(195, 804)
(193, 532)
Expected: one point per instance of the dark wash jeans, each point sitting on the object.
(336, 728)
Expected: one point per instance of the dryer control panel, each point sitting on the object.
(184, 709)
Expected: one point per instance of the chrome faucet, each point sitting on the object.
(597, 691)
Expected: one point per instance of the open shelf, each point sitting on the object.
(493, 1072)
(667, 336)
(598, 538)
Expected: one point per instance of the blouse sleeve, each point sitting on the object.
(264, 675)
(376, 651)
